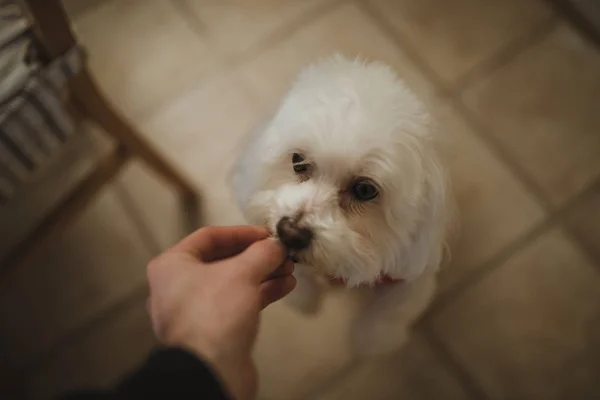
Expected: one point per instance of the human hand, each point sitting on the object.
(207, 291)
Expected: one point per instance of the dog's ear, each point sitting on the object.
(428, 244)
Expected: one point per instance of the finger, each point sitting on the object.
(275, 289)
(260, 259)
(286, 269)
(216, 242)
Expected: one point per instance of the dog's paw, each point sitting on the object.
(375, 339)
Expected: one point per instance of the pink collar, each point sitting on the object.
(383, 280)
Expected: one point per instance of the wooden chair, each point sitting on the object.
(85, 100)
(53, 30)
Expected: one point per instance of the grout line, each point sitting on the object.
(453, 93)
(467, 382)
(496, 147)
(404, 46)
(76, 334)
(479, 273)
(551, 210)
(447, 297)
(472, 122)
(277, 36)
(139, 221)
(445, 92)
(553, 213)
(506, 54)
(571, 234)
(281, 34)
(485, 269)
(220, 66)
(195, 24)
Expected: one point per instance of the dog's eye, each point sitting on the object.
(299, 164)
(364, 190)
(297, 158)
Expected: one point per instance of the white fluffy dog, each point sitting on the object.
(346, 176)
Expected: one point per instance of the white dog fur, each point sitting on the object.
(351, 122)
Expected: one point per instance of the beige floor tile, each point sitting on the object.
(155, 202)
(97, 261)
(76, 8)
(414, 373)
(200, 133)
(99, 359)
(201, 129)
(453, 40)
(584, 221)
(494, 209)
(237, 26)
(530, 329)
(143, 52)
(544, 109)
(344, 30)
(299, 356)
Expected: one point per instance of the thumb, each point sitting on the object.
(261, 259)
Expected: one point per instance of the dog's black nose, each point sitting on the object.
(293, 236)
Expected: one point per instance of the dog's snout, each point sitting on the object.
(292, 235)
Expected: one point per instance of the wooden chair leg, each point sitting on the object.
(67, 210)
(54, 31)
(92, 101)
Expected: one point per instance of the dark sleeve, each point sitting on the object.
(166, 374)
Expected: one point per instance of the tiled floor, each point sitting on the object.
(517, 90)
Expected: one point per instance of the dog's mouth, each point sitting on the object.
(295, 256)
(291, 254)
